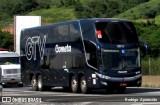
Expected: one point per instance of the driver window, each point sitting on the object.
(91, 53)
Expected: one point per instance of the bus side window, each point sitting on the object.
(63, 32)
(91, 53)
(74, 32)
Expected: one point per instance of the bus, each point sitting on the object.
(85, 54)
(10, 70)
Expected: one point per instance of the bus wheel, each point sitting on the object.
(83, 85)
(74, 84)
(34, 83)
(121, 90)
(40, 83)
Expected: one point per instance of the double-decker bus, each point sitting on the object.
(82, 55)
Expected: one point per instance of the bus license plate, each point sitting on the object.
(13, 80)
(123, 84)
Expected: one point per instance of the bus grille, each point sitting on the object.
(10, 71)
(12, 76)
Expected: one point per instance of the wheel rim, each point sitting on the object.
(83, 85)
(74, 85)
(34, 82)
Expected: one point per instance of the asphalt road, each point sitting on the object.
(132, 96)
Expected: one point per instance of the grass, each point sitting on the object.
(151, 81)
(54, 14)
(135, 13)
(150, 66)
(157, 20)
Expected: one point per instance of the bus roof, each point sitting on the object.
(105, 19)
(87, 19)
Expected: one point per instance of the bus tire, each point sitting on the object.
(40, 83)
(34, 83)
(74, 84)
(41, 87)
(83, 85)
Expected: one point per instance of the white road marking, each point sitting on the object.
(148, 103)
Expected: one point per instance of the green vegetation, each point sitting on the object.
(144, 13)
(54, 14)
(6, 40)
(104, 8)
(150, 66)
(157, 20)
(9, 8)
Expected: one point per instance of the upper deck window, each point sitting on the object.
(116, 32)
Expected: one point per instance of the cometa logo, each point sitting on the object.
(61, 49)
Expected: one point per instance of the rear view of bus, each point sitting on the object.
(118, 54)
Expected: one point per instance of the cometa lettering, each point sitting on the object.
(61, 49)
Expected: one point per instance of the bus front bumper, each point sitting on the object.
(121, 81)
(6, 81)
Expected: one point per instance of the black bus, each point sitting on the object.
(82, 55)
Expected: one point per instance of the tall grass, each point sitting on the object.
(150, 66)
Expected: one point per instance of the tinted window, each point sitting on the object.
(63, 32)
(116, 32)
(74, 32)
(52, 35)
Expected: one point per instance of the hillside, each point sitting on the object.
(149, 10)
(55, 14)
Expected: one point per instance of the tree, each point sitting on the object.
(65, 3)
(150, 33)
(7, 40)
(94, 8)
(9, 8)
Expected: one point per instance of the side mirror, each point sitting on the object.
(143, 47)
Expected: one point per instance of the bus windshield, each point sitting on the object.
(116, 32)
(9, 60)
(116, 60)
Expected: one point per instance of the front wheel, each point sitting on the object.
(83, 85)
(34, 83)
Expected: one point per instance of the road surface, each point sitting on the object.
(132, 96)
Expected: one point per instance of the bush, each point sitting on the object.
(150, 13)
(150, 33)
(94, 8)
(7, 40)
(150, 66)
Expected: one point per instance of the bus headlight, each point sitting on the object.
(103, 76)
